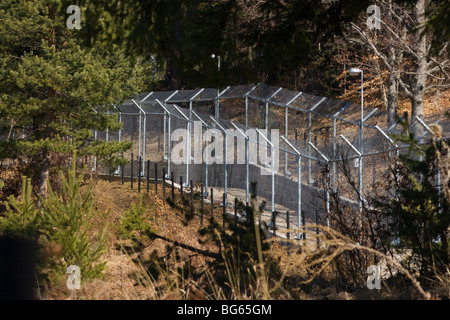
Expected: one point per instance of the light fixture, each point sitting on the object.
(355, 71)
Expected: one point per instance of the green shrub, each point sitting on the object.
(21, 219)
(135, 222)
(65, 219)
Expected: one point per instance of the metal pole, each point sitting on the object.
(139, 177)
(247, 170)
(224, 211)
(246, 112)
(144, 148)
(139, 139)
(218, 89)
(327, 189)
(299, 185)
(169, 145)
(272, 156)
(225, 173)
(188, 150)
(164, 136)
(309, 148)
(120, 139)
(205, 163)
(361, 142)
(226, 169)
(247, 162)
(286, 133)
(360, 173)
(272, 150)
(334, 154)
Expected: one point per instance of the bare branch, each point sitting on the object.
(367, 40)
(441, 86)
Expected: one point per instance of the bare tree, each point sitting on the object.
(406, 52)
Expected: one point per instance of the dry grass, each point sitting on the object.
(306, 269)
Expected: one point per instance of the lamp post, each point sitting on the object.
(355, 72)
(218, 88)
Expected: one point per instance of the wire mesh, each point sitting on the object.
(322, 154)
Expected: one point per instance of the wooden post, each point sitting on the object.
(148, 176)
(201, 204)
(212, 202)
(156, 178)
(131, 178)
(181, 187)
(288, 225)
(173, 188)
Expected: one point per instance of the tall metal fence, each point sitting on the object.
(298, 148)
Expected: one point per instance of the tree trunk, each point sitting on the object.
(394, 59)
(43, 178)
(392, 99)
(420, 80)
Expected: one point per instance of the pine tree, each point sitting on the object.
(54, 91)
(419, 215)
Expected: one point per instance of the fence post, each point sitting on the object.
(164, 183)
(123, 175)
(274, 224)
(317, 226)
(212, 202)
(173, 188)
(156, 178)
(288, 225)
(235, 210)
(148, 176)
(303, 224)
(224, 210)
(192, 197)
(181, 187)
(201, 205)
(139, 174)
(131, 178)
